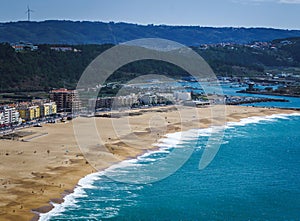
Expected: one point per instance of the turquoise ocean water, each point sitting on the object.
(254, 176)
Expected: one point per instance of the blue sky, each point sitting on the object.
(283, 14)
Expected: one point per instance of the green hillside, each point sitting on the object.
(45, 68)
(241, 60)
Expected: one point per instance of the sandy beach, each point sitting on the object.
(47, 163)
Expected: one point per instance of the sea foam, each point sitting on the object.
(165, 146)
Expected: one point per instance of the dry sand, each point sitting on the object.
(48, 162)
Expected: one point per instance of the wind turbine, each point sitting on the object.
(28, 12)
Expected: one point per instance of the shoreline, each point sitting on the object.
(79, 168)
(267, 93)
(61, 200)
(228, 124)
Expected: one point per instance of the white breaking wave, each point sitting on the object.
(166, 144)
(253, 120)
(70, 199)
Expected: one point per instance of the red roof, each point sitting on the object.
(61, 90)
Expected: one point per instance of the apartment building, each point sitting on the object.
(66, 100)
(9, 115)
(29, 112)
(48, 109)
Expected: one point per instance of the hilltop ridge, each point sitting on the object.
(87, 32)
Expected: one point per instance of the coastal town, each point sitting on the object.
(65, 104)
(149, 110)
(19, 112)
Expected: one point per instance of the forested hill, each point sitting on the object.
(45, 68)
(72, 32)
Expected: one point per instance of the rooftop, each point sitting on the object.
(61, 90)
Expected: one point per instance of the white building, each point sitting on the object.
(9, 115)
(23, 46)
(128, 100)
(163, 98)
(1, 118)
(184, 96)
(148, 99)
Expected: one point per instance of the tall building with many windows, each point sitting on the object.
(9, 115)
(66, 100)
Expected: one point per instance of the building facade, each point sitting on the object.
(48, 109)
(9, 115)
(183, 96)
(114, 102)
(148, 99)
(1, 118)
(29, 112)
(36, 109)
(24, 46)
(66, 100)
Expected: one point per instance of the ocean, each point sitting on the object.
(254, 176)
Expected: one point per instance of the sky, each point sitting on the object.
(284, 14)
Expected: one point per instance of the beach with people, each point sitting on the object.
(46, 163)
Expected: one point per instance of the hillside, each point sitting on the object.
(72, 32)
(45, 68)
(254, 59)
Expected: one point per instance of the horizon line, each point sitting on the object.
(152, 24)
